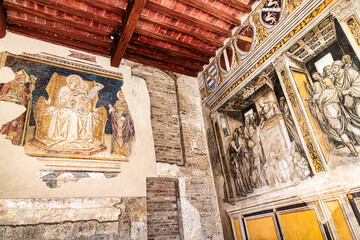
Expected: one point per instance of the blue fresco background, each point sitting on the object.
(44, 71)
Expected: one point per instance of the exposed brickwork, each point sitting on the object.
(165, 119)
(162, 208)
(196, 184)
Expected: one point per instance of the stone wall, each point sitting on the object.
(131, 224)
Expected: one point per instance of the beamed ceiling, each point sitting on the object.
(175, 35)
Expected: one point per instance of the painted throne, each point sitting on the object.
(65, 130)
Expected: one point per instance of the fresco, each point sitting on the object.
(264, 151)
(71, 114)
(329, 84)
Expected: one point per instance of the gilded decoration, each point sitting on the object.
(301, 122)
(354, 27)
(298, 28)
(211, 78)
(260, 30)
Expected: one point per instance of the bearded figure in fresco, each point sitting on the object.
(123, 133)
(335, 117)
(347, 81)
(19, 91)
(268, 111)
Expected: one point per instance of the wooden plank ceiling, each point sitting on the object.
(175, 35)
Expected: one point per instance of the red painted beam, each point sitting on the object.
(2, 21)
(128, 27)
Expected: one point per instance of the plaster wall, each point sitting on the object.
(18, 171)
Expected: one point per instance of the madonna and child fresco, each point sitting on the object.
(71, 114)
(265, 150)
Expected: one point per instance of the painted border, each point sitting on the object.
(318, 165)
(354, 30)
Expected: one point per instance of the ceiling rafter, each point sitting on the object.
(2, 21)
(188, 19)
(172, 53)
(55, 18)
(162, 57)
(238, 5)
(180, 39)
(41, 35)
(193, 34)
(129, 24)
(105, 6)
(159, 64)
(168, 39)
(78, 12)
(65, 33)
(199, 4)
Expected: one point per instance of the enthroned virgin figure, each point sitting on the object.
(69, 122)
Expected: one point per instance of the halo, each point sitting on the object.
(22, 73)
(120, 93)
(72, 77)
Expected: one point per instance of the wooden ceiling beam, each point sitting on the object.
(183, 55)
(238, 5)
(133, 12)
(187, 19)
(105, 6)
(206, 7)
(168, 39)
(56, 18)
(2, 21)
(159, 64)
(193, 34)
(164, 58)
(57, 31)
(77, 12)
(59, 40)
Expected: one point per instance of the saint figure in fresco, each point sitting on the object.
(72, 119)
(334, 115)
(234, 152)
(328, 73)
(348, 63)
(347, 81)
(251, 135)
(19, 91)
(267, 111)
(123, 133)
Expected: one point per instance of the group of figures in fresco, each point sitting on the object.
(73, 120)
(253, 167)
(334, 100)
